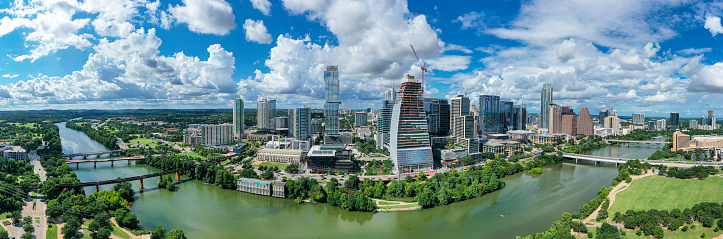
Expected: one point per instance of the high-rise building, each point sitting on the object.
(601, 117)
(613, 122)
(674, 121)
(661, 124)
(390, 95)
(302, 123)
(584, 123)
(703, 121)
(519, 115)
(290, 124)
(554, 119)
(680, 141)
(360, 119)
(331, 107)
(409, 143)
(490, 119)
(463, 126)
(238, 118)
(281, 122)
(266, 110)
(710, 117)
(693, 124)
(438, 119)
(545, 102)
(384, 120)
(460, 106)
(613, 113)
(506, 115)
(221, 134)
(638, 119)
(569, 122)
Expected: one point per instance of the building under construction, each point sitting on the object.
(409, 143)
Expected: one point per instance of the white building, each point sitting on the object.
(209, 135)
(13, 152)
(604, 132)
(661, 124)
(280, 155)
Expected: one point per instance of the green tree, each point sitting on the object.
(352, 183)
(15, 215)
(159, 233)
(4, 234)
(176, 234)
(27, 219)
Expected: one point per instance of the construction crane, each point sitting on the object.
(423, 66)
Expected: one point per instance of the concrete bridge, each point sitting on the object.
(110, 153)
(111, 160)
(616, 161)
(638, 142)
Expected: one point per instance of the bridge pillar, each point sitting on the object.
(77, 165)
(96, 188)
(111, 163)
(177, 178)
(140, 181)
(95, 164)
(159, 179)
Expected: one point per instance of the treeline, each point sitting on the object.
(348, 197)
(206, 172)
(700, 172)
(652, 222)
(104, 137)
(640, 134)
(589, 143)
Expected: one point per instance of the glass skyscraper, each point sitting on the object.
(409, 144)
(238, 117)
(266, 110)
(544, 106)
(490, 115)
(331, 107)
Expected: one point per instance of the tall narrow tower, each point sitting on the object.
(238, 118)
(545, 102)
(331, 107)
(409, 143)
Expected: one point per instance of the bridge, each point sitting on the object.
(110, 153)
(140, 178)
(111, 160)
(638, 142)
(653, 162)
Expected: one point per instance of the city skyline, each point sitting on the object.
(621, 54)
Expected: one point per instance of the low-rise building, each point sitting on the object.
(604, 132)
(279, 189)
(329, 158)
(519, 135)
(508, 147)
(13, 152)
(259, 137)
(255, 186)
(545, 138)
(280, 155)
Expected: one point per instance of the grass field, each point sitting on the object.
(663, 193)
(192, 154)
(143, 141)
(52, 232)
(120, 233)
(27, 125)
(5, 215)
(281, 166)
(678, 234)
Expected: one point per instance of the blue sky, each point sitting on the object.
(652, 57)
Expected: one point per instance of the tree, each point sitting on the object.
(4, 234)
(54, 209)
(70, 230)
(27, 235)
(422, 176)
(15, 215)
(176, 234)
(352, 183)
(267, 175)
(159, 233)
(27, 219)
(248, 173)
(28, 228)
(103, 233)
(293, 168)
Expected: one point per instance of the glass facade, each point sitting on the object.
(546, 100)
(331, 107)
(409, 134)
(238, 117)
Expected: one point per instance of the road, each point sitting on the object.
(35, 209)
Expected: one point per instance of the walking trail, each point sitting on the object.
(622, 186)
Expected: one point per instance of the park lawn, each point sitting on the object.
(143, 141)
(677, 234)
(52, 232)
(399, 206)
(120, 233)
(663, 193)
(192, 154)
(26, 125)
(4, 215)
(281, 166)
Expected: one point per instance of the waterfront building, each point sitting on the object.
(490, 119)
(604, 132)
(546, 138)
(507, 147)
(693, 124)
(638, 119)
(279, 189)
(255, 186)
(238, 118)
(680, 141)
(13, 152)
(409, 143)
(674, 121)
(360, 119)
(584, 122)
(613, 122)
(438, 116)
(329, 158)
(331, 106)
(266, 110)
(554, 121)
(545, 102)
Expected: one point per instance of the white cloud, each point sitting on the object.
(694, 51)
(113, 16)
(205, 16)
(566, 50)
(10, 76)
(631, 94)
(708, 79)
(470, 20)
(665, 97)
(8, 25)
(453, 47)
(262, 5)
(256, 31)
(449, 63)
(713, 25)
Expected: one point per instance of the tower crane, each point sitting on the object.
(422, 66)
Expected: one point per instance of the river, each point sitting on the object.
(529, 205)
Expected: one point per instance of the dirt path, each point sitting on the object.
(622, 186)
(125, 230)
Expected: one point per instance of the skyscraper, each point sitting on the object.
(409, 143)
(462, 125)
(638, 119)
(460, 106)
(569, 122)
(584, 123)
(385, 118)
(302, 123)
(290, 114)
(266, 110)
(693, 124)
(331, 107)
(545, 102)
(438, 119)
(555, 119)
(674, 121)
(360, 119)
(601, 117)
(238, 118)
(703, 121)
(613, 122)
(490, 116)
(519, 115)
(710, 117)
(506, 115)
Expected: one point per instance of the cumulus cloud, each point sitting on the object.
(113, 16)
(262, 5)
(256, 31)
(205, 16)
(708, 79)
(713, 25)
(453, 47)
(566, 50)
(449, 63)
(665, 97)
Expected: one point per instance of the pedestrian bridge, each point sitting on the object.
(653, 162)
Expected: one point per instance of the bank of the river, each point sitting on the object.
(528, 203)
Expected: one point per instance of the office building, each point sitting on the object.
(613, 113)
(674, 121)
(409, 143)
(384, 120)
(693, 124)
(255, 186)
(554, 121)
(661, 124)
(290, 123)
(711, 118)
(329, 158)
(545, 102)
(602, 115)
(360, 119)
(13, 152)
(238, 118)
(302, 123)
(651, 125)
(282, 122)
(612, 122)
(519, 116)
(438, 116)
(569, 122)
(463, 126)
(638, 119)
(506, 115)
(460, 106)
(680, 141)
(490, 119)
(331, 107)
(266, 111)
(279, 155)
(584, 123)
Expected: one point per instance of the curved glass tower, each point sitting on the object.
(409, 143)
